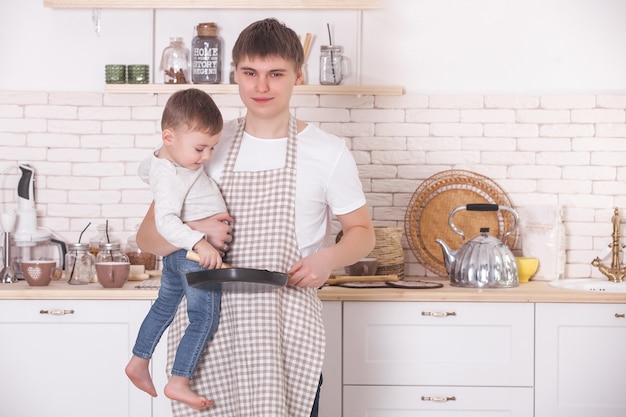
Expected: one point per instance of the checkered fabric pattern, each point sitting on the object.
(266, 357)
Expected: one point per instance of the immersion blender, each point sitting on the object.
(8, 222)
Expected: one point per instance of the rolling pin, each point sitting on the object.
(335, 280)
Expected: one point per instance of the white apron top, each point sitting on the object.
(266, 356)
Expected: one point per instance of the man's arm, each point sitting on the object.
(217, 229)
(357, 241)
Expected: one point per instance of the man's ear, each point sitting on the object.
(300, 77)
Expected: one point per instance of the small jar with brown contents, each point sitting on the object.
(175, 62)
(137, 257)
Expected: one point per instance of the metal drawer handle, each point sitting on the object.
(438, 399)
(438, 313)
(620, 316)
(56, 312)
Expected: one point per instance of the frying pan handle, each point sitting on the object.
(193, 256)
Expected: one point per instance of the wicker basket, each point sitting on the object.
(387, 251)
(427, 214)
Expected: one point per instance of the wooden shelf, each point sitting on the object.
(356, 90)
(216, 4)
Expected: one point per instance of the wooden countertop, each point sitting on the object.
(531, 292)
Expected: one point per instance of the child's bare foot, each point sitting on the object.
(178, 389)
(138, 372)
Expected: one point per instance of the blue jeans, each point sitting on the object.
(203, 309)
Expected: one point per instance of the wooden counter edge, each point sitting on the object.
(532, 292)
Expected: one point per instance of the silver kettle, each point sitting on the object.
(483, 261)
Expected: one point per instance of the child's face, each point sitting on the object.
(189, 149)
(266, 84)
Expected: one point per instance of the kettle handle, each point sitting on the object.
(483, 207)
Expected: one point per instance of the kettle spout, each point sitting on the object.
(449, 256)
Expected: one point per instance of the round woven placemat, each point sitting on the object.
(427, 214)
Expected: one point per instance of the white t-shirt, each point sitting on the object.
(327, 179)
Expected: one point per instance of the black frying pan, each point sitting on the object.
(234, 279)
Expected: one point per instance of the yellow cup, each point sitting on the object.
(526, 268)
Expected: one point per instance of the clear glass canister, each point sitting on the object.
(175, 62)
(111, 252)
(331, 65)
(206, 55)
(79, 264)
(96, 241)
(137, 257)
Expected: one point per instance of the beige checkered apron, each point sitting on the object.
(266, 357)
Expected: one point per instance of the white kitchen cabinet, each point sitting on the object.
(580, 360)
(479, 354)
(330, 395)
(67, 358)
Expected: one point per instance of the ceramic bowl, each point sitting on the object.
(526, 268)
(365, 266)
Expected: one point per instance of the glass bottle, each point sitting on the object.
(175, 62)
(79, 264)
(137, 257)
(331, 65)
(110, 252)
(206, 55)
(94, 242)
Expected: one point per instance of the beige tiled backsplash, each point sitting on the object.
(567, 150)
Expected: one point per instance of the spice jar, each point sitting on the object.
(206, 55)
(137, 257)
(331, 65)
(79, 264)
(175, 62)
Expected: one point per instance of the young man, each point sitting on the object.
(282, 180)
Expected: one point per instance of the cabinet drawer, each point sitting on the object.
(383, 401)
(412, 343)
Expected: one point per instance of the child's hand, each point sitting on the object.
(209, 256)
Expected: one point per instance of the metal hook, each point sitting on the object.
(95, 19)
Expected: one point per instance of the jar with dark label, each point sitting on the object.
(206, 55)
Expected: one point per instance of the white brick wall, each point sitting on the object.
(568, 150)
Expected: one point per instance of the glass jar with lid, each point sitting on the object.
(79, 264)
(206, 55)
(332, 65)
(138, 257)
(111, 252)
(175, 62)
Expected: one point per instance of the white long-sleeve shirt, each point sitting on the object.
(180, 195)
